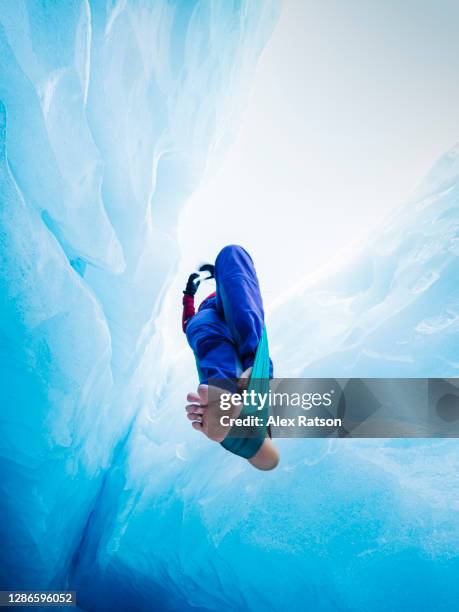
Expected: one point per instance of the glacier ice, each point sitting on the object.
(113, 111)
(392, 309)
(110, 114)
(341, 525)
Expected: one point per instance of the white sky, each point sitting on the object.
(351, 104)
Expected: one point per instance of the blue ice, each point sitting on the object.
(110, 115)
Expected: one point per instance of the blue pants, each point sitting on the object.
(225, 332)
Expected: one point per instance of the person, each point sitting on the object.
(224, 335)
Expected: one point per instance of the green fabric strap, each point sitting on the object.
(259, 382)
(259, 379)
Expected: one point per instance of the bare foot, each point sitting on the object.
(206, 417)
(205, 411)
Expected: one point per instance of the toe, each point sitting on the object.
(195, 408)
(203, 391)
(194, 417)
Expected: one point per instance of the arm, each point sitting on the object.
(188, 310)
(188, 298)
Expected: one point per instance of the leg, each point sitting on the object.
(211, 341)
(217, 358)
(267, 457)
(239, 300)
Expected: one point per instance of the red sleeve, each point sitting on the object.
(188, 310)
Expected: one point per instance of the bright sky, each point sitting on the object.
(351, 104)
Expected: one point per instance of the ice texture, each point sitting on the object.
(342, 524)
(392, 308)
(110, 115)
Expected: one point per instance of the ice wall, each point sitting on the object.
(341, 525)
(391, 309)
(112, 113)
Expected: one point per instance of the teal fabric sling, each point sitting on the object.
(259, 382)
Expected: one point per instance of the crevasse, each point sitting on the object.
(113, 111)
(110, 115)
